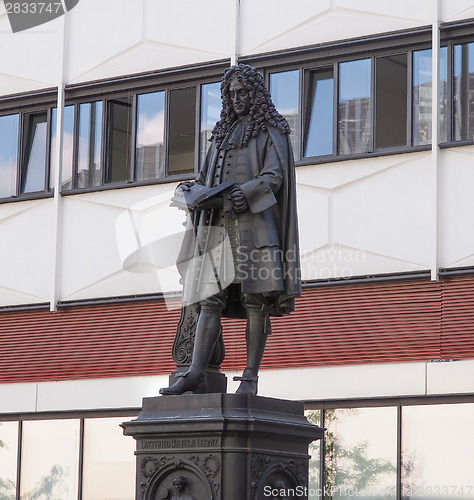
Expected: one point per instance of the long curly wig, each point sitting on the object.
(262, 109)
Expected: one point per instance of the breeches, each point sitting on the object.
(217, 302)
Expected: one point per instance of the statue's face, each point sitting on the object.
(240, 97)
(179, 485)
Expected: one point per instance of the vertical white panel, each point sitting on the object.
(115, 242)
(31, 59)
(457, 207)
(25, 254)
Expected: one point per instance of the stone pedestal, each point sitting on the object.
(221, 447)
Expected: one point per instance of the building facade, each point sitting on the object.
(103, 110)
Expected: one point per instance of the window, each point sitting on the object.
(33, 169)
(25, 145)
(119, 140)
(320, 115)
(68, 140)
(355, 107)
(8, 155)
(463, 92)
(284, 88)
(374, 104)
(182, 131)
(314, 450)
(422, 83)
(389, 452)
(210, 114)
(8, 459)
(89, 145)
(150, 149)
(138, 138)
(361, 452)
(391, 101)
(79, 458)
(377, 100)
(50, 459)
(109, 461)
(439, 468)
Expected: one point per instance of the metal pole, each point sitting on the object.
(435, 143)
(57, 223)
(235, 55)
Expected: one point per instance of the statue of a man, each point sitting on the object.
(249, 232)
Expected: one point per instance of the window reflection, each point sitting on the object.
(360, 452)
(50, 458)
(120, 134)
(68, 142)
(89, 162)
(34, 155)
(463, 92)
(182, 129)
(150, 152)
(109, 462)
(284, 88)
(8, 154)
(210, 114)
(8, 459)
(422, 85)
(319, 133)
(391, 101)
(314, 450)
(355, 108)
(434, 467)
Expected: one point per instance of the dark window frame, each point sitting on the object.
(20, 418)
(305, 60)
(329, 55)
(24, 106)
(133, 86)
(307, 69)
(393, 402)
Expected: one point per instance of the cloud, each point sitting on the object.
(151, 130)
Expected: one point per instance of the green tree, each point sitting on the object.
(52, 486)
(346, 467)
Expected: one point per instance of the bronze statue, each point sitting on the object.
(240, 256)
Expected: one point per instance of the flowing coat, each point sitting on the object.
(267, 230)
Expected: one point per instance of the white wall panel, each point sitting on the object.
(457, 207)
(270, 25)
(455, 10)
(31, 59)
(119, 243)
(313, 214)
(305, 384)
(99, 32)
(16, 398)
(371, 217)
(26, 252)
(116, 37)
(450, 377)
(388, 213)
(204, 30)
(365, 216)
